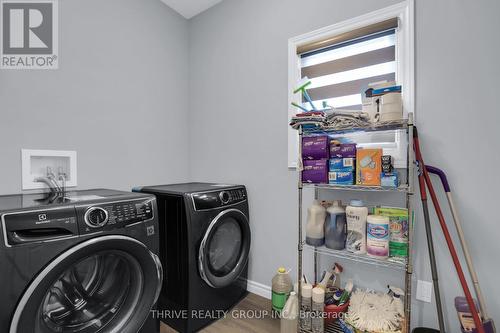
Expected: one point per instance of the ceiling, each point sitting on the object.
(190, 8)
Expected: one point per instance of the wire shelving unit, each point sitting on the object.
(390, 264)
(401, 188)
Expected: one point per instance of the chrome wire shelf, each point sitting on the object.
(380, 126)
(393, 263)
(331, 328)
(401, 188)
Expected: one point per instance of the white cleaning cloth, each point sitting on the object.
(374, 312)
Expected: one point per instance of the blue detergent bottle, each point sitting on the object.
(335, 226)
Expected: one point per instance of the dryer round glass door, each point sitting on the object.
(224, 249)
(107, 284)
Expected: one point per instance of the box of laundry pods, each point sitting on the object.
(368, 166)
(315, 147)
(343, 150)
(315, 171)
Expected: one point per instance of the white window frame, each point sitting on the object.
(404, 11)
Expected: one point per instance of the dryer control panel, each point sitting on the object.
(217, 199)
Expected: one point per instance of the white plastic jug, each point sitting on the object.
(290, 314)
(316, 215)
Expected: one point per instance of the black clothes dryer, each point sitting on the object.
(205, 243)
(85, 262)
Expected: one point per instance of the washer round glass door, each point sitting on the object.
(106, 284)
(224, 249)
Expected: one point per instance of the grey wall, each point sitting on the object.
(124, 71)
(238, 114)
(455, 48)
(118, 99)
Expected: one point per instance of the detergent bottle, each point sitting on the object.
(335, 226)
(316, 215)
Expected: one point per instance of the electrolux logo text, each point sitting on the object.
(29, 35)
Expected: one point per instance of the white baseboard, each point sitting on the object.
(259, 289)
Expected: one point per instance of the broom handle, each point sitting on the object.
(444, 228)
(430, 244)
(432, 255)
(461, 236)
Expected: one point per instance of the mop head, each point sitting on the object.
(374, 312)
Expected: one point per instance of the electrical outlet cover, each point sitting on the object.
(424, 291)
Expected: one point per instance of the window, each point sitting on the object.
(340, 73)
(341, 60)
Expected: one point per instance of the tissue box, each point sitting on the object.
(368, 167)
(344, 150)
(341, 177)
(315, 171)
(315, 147)
(342, 164)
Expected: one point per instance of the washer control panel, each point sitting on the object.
(116, 214)
(216, 199)
(96, 217)
(130, 212)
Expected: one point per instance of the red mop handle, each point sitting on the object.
(444, 228)
(421, 182)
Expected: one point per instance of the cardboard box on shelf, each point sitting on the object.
(342, 164)
(341, 177)
(343, 150)
(315, 147)
(368, 166)
(315, 171)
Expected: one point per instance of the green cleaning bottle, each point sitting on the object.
(281, 288)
